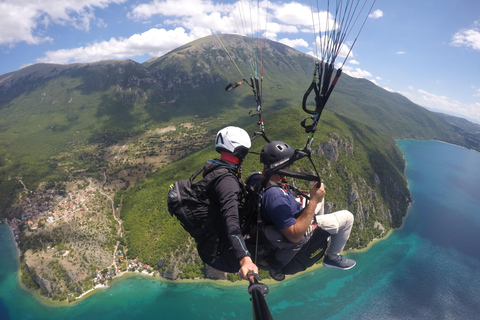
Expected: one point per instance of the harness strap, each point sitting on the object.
(322, 75)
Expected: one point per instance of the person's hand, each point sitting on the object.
(246, 265)
(317, 193)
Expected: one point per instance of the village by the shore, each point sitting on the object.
(101, 281)
(41, 209)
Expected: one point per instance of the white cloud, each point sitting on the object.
(353, 61)
(175, 8)
(197, 19)
(388, 89)
(468, 37)
(326, 42)
(477, 93)
(444, 104)
(401, 52)
(154, 42)
(275, 28)
(356, 72)
(205, 15)
(376, 14)
(239, 17)
(441, 102)
(25, 21)
(294, 13)
(294, 43)
(17, 24)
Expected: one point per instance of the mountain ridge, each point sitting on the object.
(129, 129)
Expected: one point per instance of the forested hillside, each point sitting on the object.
(109, 137)
(361, 168)
(58, 120)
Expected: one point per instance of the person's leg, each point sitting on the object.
(339, 225)
(310, 253)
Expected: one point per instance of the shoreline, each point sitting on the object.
(17, 249)
(214, 282)
(155, 276)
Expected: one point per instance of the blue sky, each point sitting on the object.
(427, 50)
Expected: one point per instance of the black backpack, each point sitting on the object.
(188, 201)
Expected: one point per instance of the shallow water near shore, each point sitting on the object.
(429, 269)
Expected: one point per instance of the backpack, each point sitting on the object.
(189, 203)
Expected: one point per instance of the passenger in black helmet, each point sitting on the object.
(276, 152)
(227, 193)
(289, 225)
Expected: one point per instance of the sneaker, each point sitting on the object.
(278, 276)
(339, 263)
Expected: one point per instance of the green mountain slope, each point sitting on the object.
(51, 116)
(127, 130)
(361, 168)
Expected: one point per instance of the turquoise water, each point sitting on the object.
(429, 269)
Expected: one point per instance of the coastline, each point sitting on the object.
(12, 235)
(375, 289)
(214, 282)
(220, 283)
(155, 276)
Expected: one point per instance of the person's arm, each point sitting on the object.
(295, 232)
(228, 193)
(246, 265)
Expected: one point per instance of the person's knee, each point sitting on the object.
(345, 218)
(329, 223)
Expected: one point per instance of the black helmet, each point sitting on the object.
(275, 152)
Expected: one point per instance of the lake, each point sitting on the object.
(428, 269)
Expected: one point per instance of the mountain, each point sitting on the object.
(470, 131)
(52, 115)
(361, 167)
(115, 134)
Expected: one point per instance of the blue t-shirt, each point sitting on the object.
(279, 207)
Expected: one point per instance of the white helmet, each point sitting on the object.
(234, 140)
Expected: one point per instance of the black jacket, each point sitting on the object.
(227, 193)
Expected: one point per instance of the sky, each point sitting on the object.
(428, 50)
